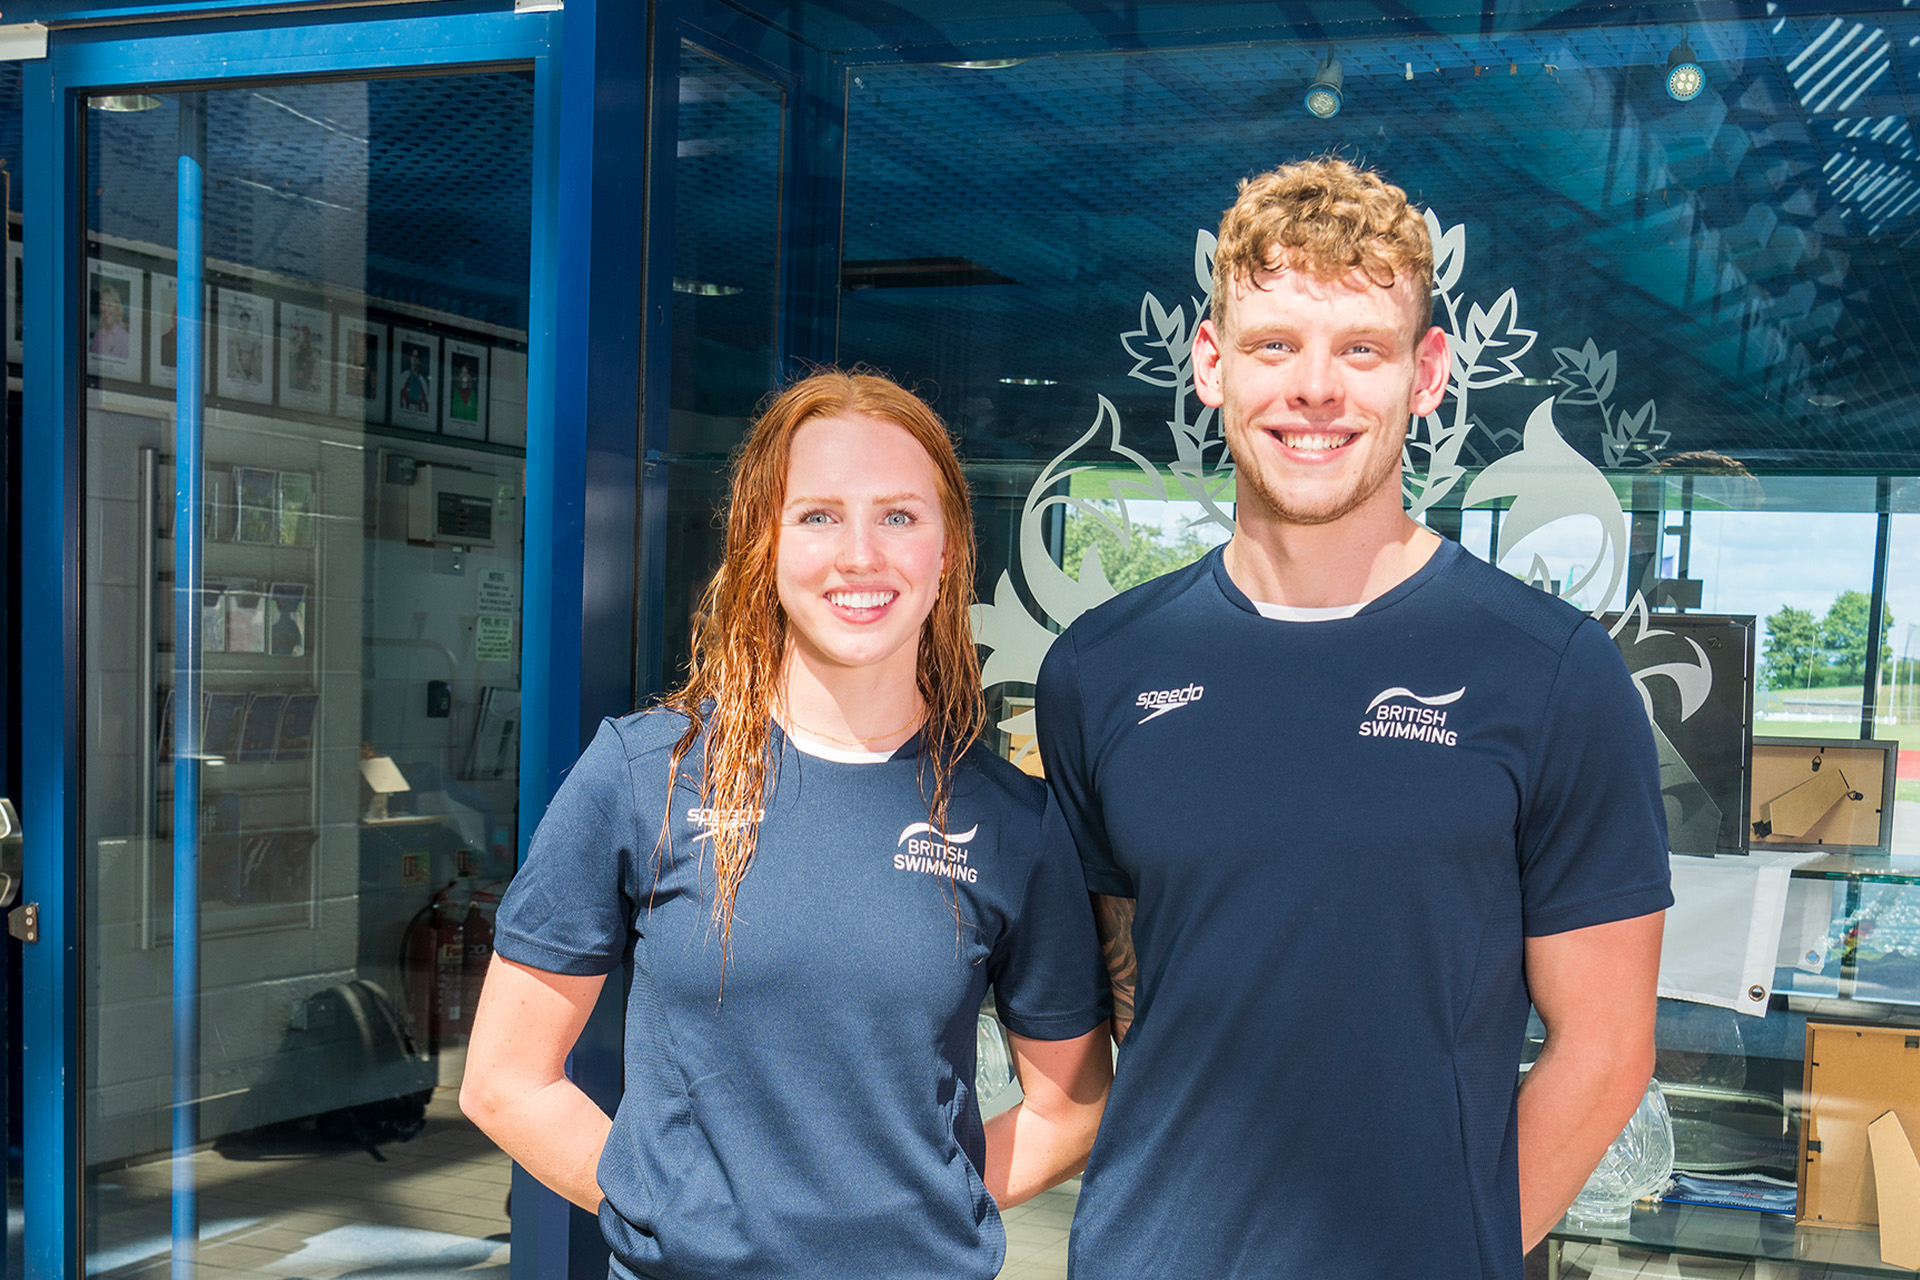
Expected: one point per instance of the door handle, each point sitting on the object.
(11, 845)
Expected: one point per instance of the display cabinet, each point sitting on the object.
(1738, 1085)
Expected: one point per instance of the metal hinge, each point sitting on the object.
(23, 922)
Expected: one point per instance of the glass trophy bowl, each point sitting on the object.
(1638, 1164)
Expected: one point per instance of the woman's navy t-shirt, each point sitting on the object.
(816, 1115)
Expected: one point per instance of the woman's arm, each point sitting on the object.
(1044, 1139)
(516, 1087)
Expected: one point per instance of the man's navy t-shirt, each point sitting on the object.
(816, 1117)
(1339, 834)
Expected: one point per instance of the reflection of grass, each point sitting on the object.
(1909, 790)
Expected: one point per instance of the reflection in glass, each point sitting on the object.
(359, 652)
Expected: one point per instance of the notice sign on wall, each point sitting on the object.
(497, 592)
(493, 638)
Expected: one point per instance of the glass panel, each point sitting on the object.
(10, 959)
(366, 258)
(726, 232)
(1705, 304)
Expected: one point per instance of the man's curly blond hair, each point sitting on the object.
(1326, 217)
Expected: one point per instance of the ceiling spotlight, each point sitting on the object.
(1323, 95)
(1685, 79)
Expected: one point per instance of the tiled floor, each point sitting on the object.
(319, 1210)
(1037, 1234)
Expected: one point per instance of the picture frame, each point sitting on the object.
(361, 370)
(163, 330)
(295, 739)
(16, 301)
(214, 506)
(1830, 795)
(220, 720)
(246, 617)
(261, 726)
(306, 370)
(507, 397)
(256, 505)
(415, 376)
(1703, 745)
(287, 620)
(294, 508)
(243, 347)
(116, 312)
(213, 616)
(463, 411)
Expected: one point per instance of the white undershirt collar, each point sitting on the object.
(1304, 613)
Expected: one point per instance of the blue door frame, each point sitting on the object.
(577, 616)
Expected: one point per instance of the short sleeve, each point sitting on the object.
(1593, 829)
(567, 910)
(1060, 719)
(1049, 982)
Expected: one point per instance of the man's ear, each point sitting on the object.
(1206, 364)
(1431, 366)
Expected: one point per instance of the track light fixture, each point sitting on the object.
(1323, 95)
(1685, 79)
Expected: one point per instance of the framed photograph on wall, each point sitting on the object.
(361, 362)
(115, 307)
(306, 333)
(243, 347)
(465, 409)
(16, 299)
(416, 379)
(163, 331)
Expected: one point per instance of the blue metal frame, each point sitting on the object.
(179, 55)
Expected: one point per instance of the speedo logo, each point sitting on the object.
(711, 820)
(936, 854)
(1399, 712)
(1160, 701)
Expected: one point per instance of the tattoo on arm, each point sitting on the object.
(1113, 917)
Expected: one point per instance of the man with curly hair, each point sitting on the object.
(1349, 800)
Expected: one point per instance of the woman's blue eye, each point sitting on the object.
(898, 518)
(815, 517)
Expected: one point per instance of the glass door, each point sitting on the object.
(301, 662)
(291, 320)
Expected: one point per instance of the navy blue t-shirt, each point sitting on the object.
(1339, 834)
(817, 1117)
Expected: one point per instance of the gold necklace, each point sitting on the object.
(787, 715)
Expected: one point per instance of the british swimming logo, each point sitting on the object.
(711, 820)
(1160, 701)
(1399, 712)
(933, 853)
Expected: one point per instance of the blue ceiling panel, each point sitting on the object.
(1749, 255)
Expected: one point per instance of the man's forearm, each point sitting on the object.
(1573, 1104)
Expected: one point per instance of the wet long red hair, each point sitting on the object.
(740, 639)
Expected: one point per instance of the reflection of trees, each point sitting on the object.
(1146, 553)
(1802, 653)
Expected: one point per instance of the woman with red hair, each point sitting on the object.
(816, 870)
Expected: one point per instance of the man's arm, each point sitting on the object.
(1113, 917)
(1044, 1139)
(1594, 990)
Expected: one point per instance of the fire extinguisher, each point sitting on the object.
(478, 944)
(435, 983)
